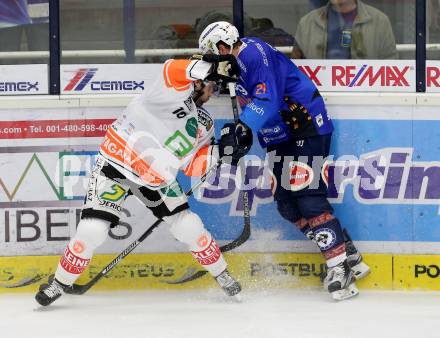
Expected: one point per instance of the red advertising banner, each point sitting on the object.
(54, 128)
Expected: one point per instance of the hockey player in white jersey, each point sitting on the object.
(159, 133)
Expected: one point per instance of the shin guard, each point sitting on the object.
(304, 226)
(187, 227)
(328, 235)
(90, 234)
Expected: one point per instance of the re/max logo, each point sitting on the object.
(358, 76)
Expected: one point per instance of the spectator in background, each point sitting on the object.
(264, 29)
(171, 36)
(318, 3)
(216, 15)
(345, 29)
(162, 37)
(434, 18)
(186, 36)
(30, 17)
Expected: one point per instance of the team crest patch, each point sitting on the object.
(319, 120)
(301, 175)
(204, 119)
(325, 238)
(189, 103)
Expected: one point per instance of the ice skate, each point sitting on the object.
(354, 259)
(355, 262)
(340, 282)
(229, 285)
(49, 292)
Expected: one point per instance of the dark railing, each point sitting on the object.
(420, 45)
(54, 47)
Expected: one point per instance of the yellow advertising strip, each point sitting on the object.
(381, 276)
(421, 272)
(163, 271)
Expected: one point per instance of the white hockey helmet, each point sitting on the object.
(216, 32)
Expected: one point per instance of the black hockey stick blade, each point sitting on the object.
(23, 282)
(190, 275)
(75, 289)
(78, 289)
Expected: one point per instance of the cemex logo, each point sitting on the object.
(385, 76)
(22, 86)
(83, 78)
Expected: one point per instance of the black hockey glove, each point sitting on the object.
(235, 141)
(225, 68)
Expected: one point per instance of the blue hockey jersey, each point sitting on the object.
(269, 84)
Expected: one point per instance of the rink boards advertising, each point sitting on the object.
(328, 76)
(51, 151)
(44, 177)
(392, 149)
(24, 79)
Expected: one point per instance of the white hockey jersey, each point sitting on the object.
(162, 131)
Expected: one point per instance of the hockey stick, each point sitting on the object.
(246, 233)
(23, 282)
(246, 212)
(78, 289)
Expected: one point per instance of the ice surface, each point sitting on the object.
(209, 314)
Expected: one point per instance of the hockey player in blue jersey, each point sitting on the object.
(287, 112)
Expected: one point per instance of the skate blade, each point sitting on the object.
(361, 270)
(346, 293)
(237, 298)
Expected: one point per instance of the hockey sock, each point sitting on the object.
(304, 227)
(328, 235)
(187, 227)
(90, 234)
(208, 254)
